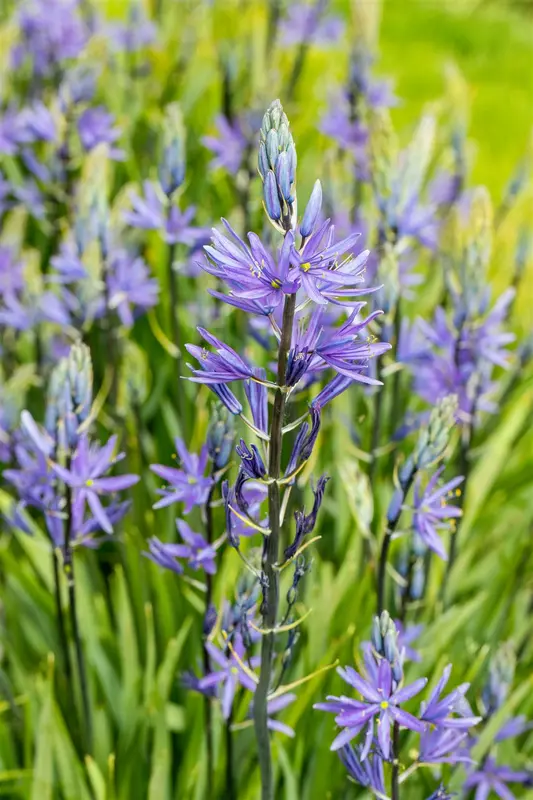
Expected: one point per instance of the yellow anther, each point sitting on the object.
(90, 482)
(458, 493)
(276, 283)
(384, 705)
(306, 266)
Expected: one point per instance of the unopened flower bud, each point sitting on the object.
(377, 640)
(172, 163)
(80, 377)
(220, 436)
(433, 440)
(390, 647)
(271, 197)
(277, 167)
(397, 671)
(500, 680)
(384, 622)
(312, 211)
(70, 395)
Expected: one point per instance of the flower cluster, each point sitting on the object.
(458, 352)
(59, 472)
(443, 722)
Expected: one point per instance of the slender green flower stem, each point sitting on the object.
(395, 783)
(230, 777)
(61, 619)
(407, 589)
(387, 538)
(68, 567)
(464, 469)
(270, 557)
(208, 710)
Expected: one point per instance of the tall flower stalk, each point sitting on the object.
(273, 121)
(60, 617)
(158, 208)
(291, 290)
(68, 569)
(430, 447)
(61, 474)
(271, 553)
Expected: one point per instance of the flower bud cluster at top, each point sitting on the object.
(277, 167)
(385, 643)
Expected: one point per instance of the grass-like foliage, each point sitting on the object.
(266, 472)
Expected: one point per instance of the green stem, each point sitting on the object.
(68, 567)
(464, 469)
(387, 538)
(230, 778)
(61, 619)
(208, 711)
(407, 589)
(270, 557)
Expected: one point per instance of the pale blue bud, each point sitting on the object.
(262, 161)
(272, 148)
(312, 211)
(377, 639)
(271, 198)
(390, 648)
(283, 177)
